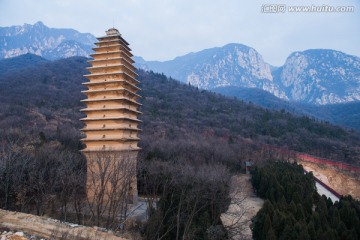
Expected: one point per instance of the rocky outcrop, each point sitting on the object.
(320, 76)
(314, 76)
(231, 65)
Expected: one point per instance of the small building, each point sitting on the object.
(248, 166)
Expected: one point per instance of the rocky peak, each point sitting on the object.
(230, 65)
(41, 40)
(320, 76)
(316, 76)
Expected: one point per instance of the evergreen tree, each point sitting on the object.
(267, 227)
(270, 235)
(288, 212)
(349, 235)
(311, 230)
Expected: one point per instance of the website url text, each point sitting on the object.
(282, 8)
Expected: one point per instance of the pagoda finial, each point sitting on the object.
(113, 31)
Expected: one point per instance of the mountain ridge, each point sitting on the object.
(199, 60)
(320, 76)
(237, 65)
(19, 62)
(314, 76)
(51, 43)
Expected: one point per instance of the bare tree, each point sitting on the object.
(13, 164)
(191, 200)
(70, 184)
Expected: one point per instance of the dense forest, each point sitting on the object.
(294, 210)
(192, 141)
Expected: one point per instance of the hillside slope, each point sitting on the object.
(44, 98)
(175, 110)
(343, 114)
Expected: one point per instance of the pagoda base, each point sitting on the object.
(111, 177)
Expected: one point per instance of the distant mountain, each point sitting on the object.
(319, 76)
(50, 43)
(234, 65)
(314, 76)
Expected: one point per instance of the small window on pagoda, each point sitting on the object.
(103, 147)
(104, 126)
(104, 136)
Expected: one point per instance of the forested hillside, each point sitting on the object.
(173, 111)
(46, 98)
(191, 141)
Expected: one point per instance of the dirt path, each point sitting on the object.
(244, 205)
(343, 182)
(50, 228)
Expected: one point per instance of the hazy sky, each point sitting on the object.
(164, 29)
